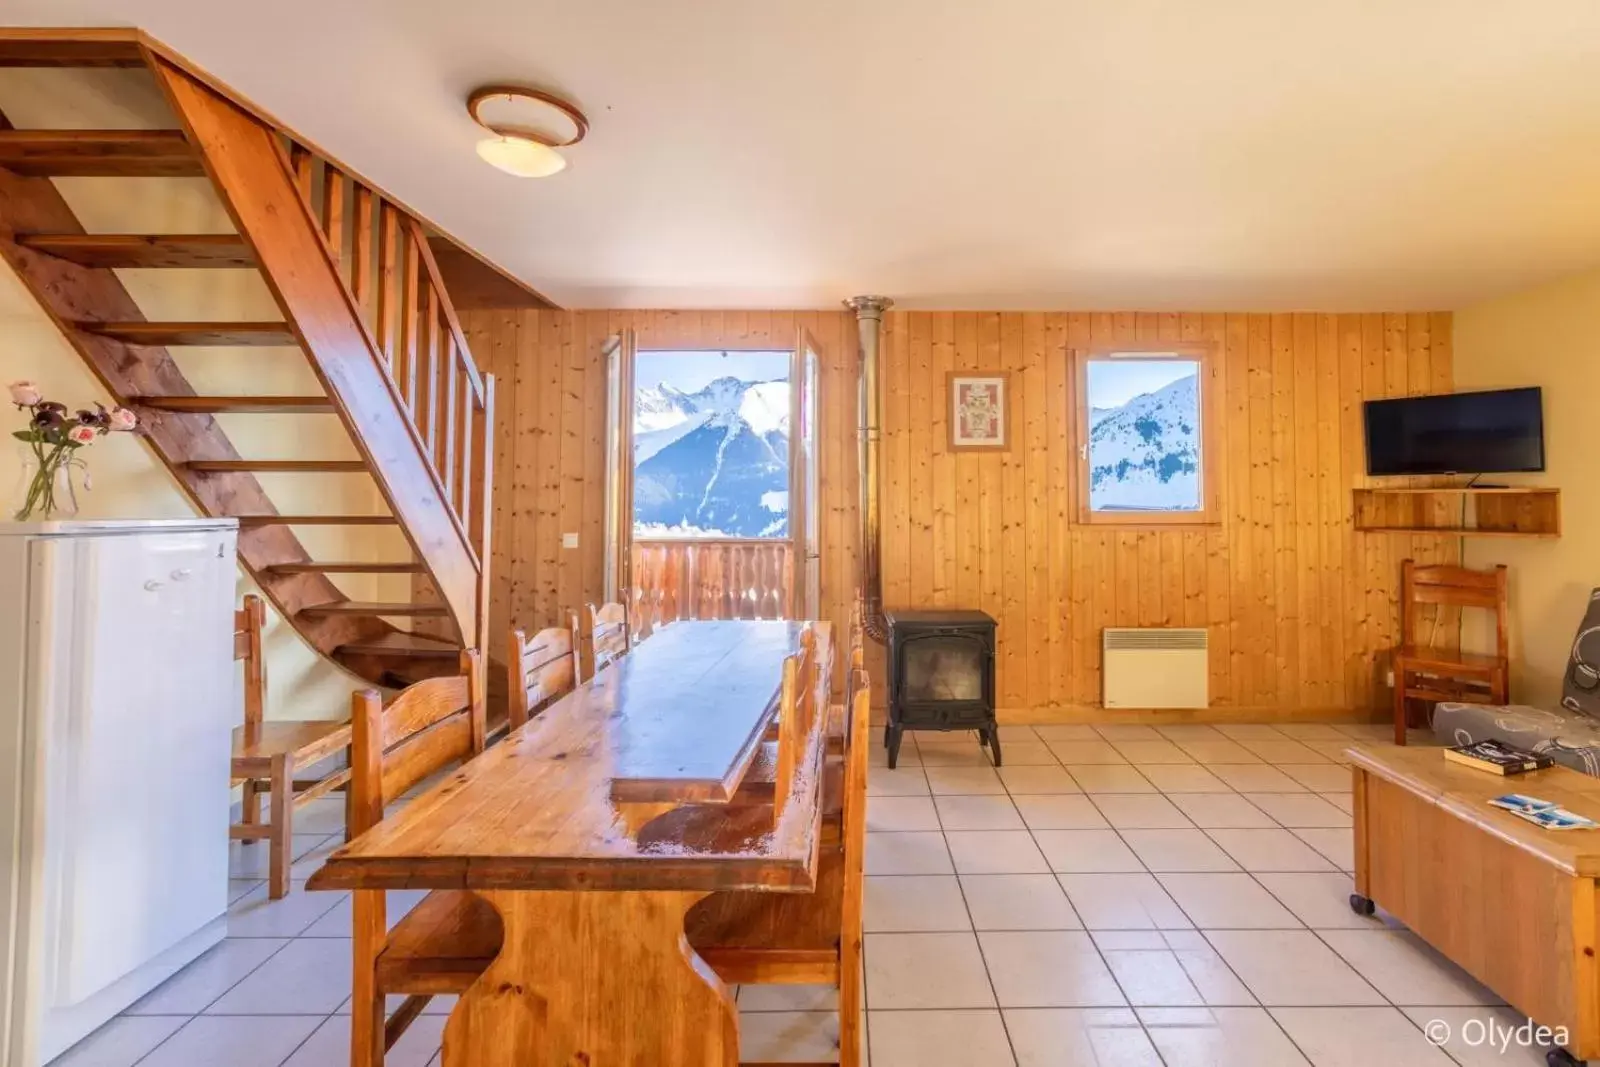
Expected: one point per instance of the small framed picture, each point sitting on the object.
(980, 411)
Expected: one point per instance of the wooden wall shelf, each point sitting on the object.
(1458, 511)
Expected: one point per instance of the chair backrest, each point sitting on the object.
(248, 622)
(609, 634)
(858, 709)
(855, 665)
(425, 728)
(1445, 585)
(797, 710)
(538, 671)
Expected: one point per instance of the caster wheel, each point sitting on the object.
(1560, 1057)
(1361, 905)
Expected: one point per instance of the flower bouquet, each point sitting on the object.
(53, 439)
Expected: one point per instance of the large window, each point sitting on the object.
(1145, 438)
(711, 445)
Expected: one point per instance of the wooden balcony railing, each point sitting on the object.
(389, 270)
(706, 579)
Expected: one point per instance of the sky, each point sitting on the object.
(1113, 384)
(693, 371)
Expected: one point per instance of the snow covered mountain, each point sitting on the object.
(658, 407)
(714, 462)
(1146, 454)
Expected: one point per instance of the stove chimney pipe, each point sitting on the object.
(869, 322)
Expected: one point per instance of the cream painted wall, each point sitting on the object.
(129, 481)
(1550, 337)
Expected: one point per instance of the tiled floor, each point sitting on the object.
(1121, 895)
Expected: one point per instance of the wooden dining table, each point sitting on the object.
(594, 968)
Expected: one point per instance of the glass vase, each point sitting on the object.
(41, 495)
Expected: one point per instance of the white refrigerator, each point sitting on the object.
(116, 712)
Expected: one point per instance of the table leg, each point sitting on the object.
(1359, 831)
(1361, 901)
(594, 978)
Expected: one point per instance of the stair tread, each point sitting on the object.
(193, 333)
(220, 404)
(316, 520)
(144, 250)
(98, 153)
(88, 51)
(371, 607)
(403, 644)
(304, 466)
(349, 567)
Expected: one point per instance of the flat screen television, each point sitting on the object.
(1456, 433)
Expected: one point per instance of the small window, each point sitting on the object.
(1145, 440)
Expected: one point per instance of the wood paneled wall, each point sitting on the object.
(1297, 604)
(1299, 607)
(550, 426)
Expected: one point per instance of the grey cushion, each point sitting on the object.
(1581, 690)
(1569, 738)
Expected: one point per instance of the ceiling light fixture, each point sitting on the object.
(520, 150)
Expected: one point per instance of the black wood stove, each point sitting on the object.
(941, 675)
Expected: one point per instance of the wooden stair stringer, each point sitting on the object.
(252, 176)
(68, 293)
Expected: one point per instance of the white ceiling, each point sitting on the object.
(1200, 154)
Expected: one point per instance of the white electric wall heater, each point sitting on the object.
(1155, 668)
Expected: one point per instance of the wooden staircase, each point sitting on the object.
(359, 294)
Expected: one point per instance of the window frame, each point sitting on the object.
(1210, 405)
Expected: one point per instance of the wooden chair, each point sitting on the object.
(838, 714)
(1425, 671)
(266, 755)
(797, 713)
(539, 672)
(840, 732)
(610, 636)
(443, 944)
(760, 781)
(804, 938)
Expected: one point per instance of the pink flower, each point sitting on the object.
(24, 394)
(82, 435)
(123, 419)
